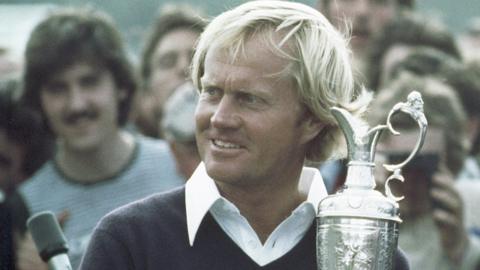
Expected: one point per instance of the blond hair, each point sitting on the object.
(317, 53)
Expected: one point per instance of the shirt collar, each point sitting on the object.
(201, 193)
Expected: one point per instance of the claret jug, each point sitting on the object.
(357, 228)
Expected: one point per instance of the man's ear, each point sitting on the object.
(312, 126)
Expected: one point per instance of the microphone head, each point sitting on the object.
(47, 235)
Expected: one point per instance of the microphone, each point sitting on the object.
(49, 240)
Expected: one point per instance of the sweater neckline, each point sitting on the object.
(115, 175)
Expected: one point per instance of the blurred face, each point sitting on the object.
(418, 173)
(367, 18)
(11, 159)
(171, 62)
(251, 127)
(392, 57)
(80, 104)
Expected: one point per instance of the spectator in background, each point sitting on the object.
(78, 78)
(433, 233)
(398, 39)
(178, 127)
(364, 19)
(465, 80)
(25, 143)
(166, 62)
(24, 147)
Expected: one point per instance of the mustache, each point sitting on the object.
(73, 117)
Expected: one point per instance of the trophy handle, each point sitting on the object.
(414, 108)
(395, 176)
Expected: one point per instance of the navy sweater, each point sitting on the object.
(152, 234)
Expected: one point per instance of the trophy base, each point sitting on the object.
(351, 243)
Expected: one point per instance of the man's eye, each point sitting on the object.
(249, 98)
(210, 91)
(89, 81)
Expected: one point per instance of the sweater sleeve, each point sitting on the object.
(106, 252)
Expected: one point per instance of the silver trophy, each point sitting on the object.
(357, 228)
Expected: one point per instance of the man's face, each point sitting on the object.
(170, 63)
(367, 17)
(11, 159)
(250, 128)
(80, 103)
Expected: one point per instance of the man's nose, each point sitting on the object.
(225, 114)
(76, 99)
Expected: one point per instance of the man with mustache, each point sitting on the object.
(364, 18)
(78, 78)
(268, 73)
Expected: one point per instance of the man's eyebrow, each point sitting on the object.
(206, 81)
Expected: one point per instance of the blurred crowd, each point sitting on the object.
(83, 131)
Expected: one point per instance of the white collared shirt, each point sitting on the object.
(202, 196)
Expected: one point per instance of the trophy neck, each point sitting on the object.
(360, 175)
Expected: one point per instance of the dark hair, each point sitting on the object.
(171, 17)
(408, 29)
(24, 127)
(73, 35)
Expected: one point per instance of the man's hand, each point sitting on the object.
(448, 215)
(27, 255)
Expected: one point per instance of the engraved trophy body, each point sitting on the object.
(357, 228)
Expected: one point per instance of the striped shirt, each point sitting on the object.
(150, 170)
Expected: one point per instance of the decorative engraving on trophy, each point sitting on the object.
(355, 202)
(387, 251)
(350, 248)
(322, 237)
